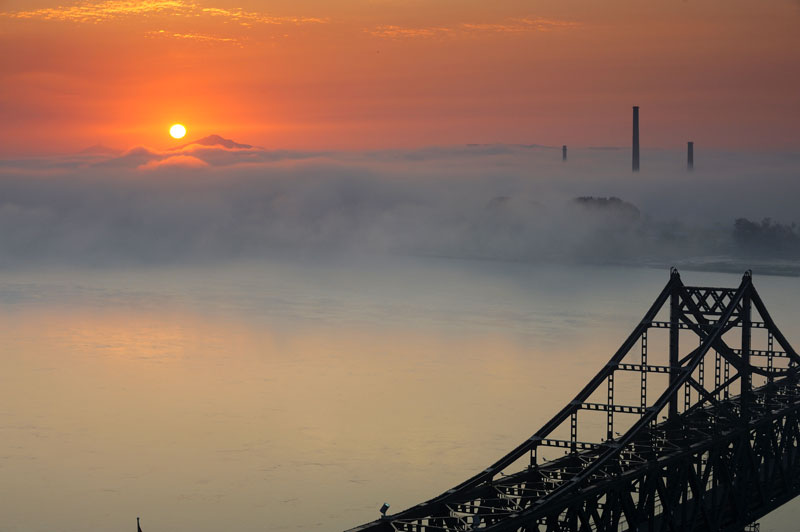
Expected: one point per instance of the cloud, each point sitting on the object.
(521, 25)
(95, 12)
(210, 151)
(250, 17)
(498, 202)
(516, 25)
(391, 31)
(185, 161)
(104, 11)
(197, 37)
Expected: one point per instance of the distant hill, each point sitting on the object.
(216, 140)
(611, 206)
(99, 149)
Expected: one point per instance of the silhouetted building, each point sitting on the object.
(690, 155)
(635, 164)
(564, 152)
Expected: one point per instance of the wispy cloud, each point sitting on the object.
(246, 18)
(391, 31)
(517, 25)
(197, 37)
(96, 12)
(523, 25)
(175, 161)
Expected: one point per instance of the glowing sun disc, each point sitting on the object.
(177, 131)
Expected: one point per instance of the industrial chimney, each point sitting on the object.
(690, 156)
(564, 152)
(635, 165)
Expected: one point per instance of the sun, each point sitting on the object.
(177, 131)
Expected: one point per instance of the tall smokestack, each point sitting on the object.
(564, 152)
(690, 156)
(635, 138)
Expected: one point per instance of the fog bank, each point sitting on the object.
(214, 203)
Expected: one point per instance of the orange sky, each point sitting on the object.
(354, 74)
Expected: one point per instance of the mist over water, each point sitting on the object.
(292, 395)
(490, 202)
(268, 340)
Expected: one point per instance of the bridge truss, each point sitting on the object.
(706, 439)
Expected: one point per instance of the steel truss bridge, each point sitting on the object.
(696, 430)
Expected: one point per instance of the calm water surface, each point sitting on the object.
(295, 395)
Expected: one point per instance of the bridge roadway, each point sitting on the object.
(720, 463)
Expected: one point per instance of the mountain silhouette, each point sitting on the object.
(216, 140)
(99, 149)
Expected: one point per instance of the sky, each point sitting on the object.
(375, 74)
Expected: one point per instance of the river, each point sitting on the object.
(295, 394)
